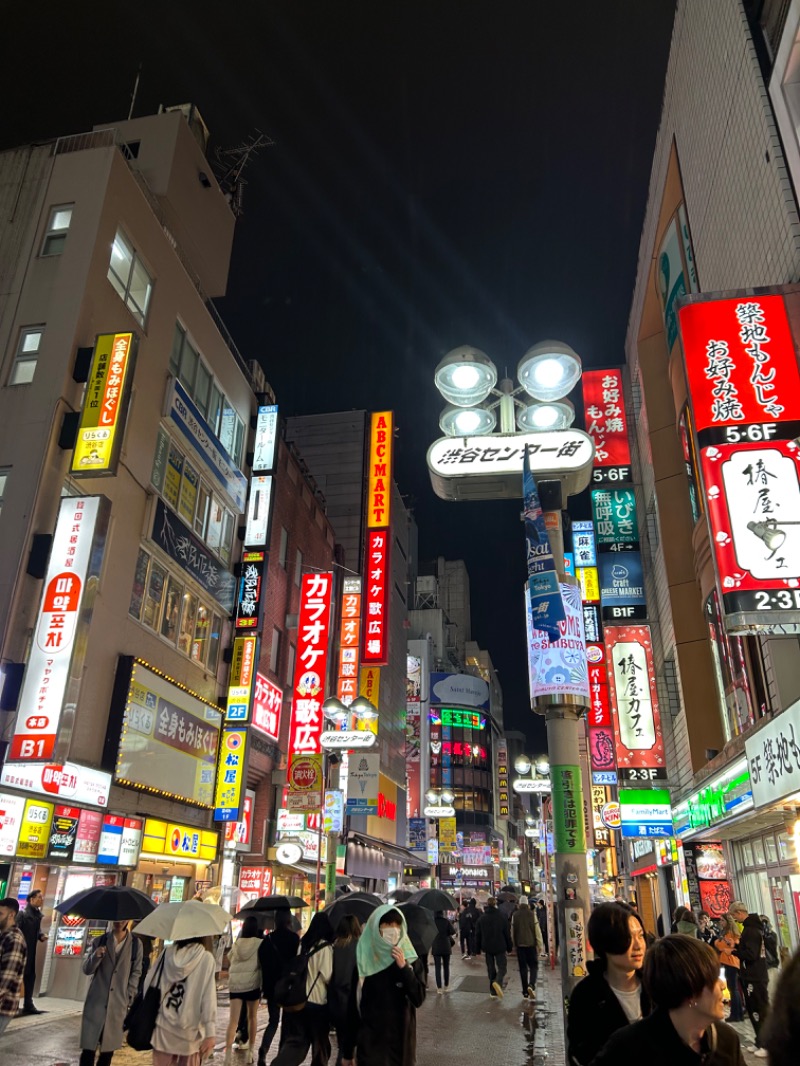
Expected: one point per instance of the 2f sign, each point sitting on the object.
(380, 470)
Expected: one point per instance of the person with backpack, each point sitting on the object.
(302, 994)
(753, 971)
(275, 953)
(114, 964)
(342, 987)
(244, 986)
(771, 952)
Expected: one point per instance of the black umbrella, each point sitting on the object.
(434, 899)
(421, 926)
(270, 903)
(115, 904)
(401, 895)
(359, 904)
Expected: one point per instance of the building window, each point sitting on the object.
(284, 548)
(4, 472)
(298, 568)
(127, 274)
(27, 355)
(290, 666)
(57, 228)
(275, 650)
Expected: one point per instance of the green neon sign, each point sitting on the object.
(462, 719)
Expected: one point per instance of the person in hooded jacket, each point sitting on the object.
(244, 985)
(308, 1029)
(274, 953)
(186, 1024)
(611, 996)
(688, 924)
(753, 972)
(391, 985)
(681, 976)
(442, 949)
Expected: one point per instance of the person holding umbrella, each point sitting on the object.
(392, 984)
(114, 964)
(442, 949)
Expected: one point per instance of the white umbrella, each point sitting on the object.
(182, 921)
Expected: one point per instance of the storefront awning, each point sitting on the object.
(392, 851)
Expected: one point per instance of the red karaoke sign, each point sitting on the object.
(741, 369)
(606, 424)
(311, 662)
(634, 702)
(267, 703)
(375, 639)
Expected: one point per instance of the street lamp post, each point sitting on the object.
(468, 381)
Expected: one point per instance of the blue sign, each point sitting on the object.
(583, 545)
(569, 564)
(545, 604)
(621, 579)
(604, 777)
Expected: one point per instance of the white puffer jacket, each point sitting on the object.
(245, 973)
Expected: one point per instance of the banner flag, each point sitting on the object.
(546, 605)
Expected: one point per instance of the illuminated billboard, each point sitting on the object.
(105, 406)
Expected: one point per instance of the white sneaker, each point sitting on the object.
(438, 991)
(446, 988)
(760, 1052)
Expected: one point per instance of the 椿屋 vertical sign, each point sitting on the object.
(634, 702)
(744, 386)
(604, 404)
(105, 406)
(57, 653)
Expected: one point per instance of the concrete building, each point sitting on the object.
(721, 215)
(124, 424)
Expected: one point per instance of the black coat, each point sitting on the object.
(492, 935)
(654, 1041)
(342, 986)
(441, 944)
(274, 952)
(750, 950)
(387, 1029)
(29, 922)
(595, 1014)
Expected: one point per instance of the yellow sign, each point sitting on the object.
(589, 583)
(447, 834)
(179, 841)
(243, 669)
(369, 686)
(34, 833)
(230, 775)
(105, 404)
(379, 487)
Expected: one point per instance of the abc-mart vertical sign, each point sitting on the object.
(59, 645)
(744, 386)
(375, 626)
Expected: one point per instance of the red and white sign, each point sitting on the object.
(375, 639)
(634, 702)
(305, 783)
(753, 502)
(255, 881)
(349, 639)
(48, 669)
(267, 703)
(311, 662)
(600, 710)
(68, 781)
(240, 834)
(741, 366)
(606, 424)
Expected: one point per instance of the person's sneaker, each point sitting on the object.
(446, 988)
(493, 995)
(524, 995)
(498, 988)
(463, 957)
(760, 1052)
(438, 991)
(531, 993)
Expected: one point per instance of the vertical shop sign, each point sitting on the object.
(267, 703)
(349, 639)
(569, 831)
(615, 519)
(583, 545)
(380, 473)
(266, 439)
(598, 719)
(248, 603)
(634, 702)
(105, 406)
(606, 424)
(503, 794)
(375, 640)
(58, 648)
(259, 507)
(231, 775)
(242, 676)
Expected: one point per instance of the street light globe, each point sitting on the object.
(530, 821)
(363, 709)
(465, 376)
(540, 416)
(447, 796)
(522, 764)
(543, 766)
(466, 421)
(549, 370)
(432, 796)
(334, 710)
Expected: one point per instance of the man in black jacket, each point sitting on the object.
(29, 922)
(492, 937)
(274, 953)
(753, 973)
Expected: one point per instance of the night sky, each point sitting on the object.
(444, 173)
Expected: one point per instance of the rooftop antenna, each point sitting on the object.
(135, 91)
(229, 163)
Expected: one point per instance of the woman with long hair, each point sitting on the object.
(726, 946)
(244, 986)
(341, 990)
(681, 976)
(611, 996)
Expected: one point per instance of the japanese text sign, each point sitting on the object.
(34, 833)
(375, 629)
(606, 424)
(634, 702)
(753, 503)
(379, 475)
(248, 603)
(614, 512)
(645, 812)
(255, 881)
(349, 640)
(80, 784)
(267, 703)
(105, 403)
(568, 809)
(63, 614)
(231, 775)
(741, 369)
(266, 438)
(773, 757)
(242, 676)
(311, 661)
(583, 546)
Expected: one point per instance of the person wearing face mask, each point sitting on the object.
(681, 976)
(611, 996)
(391, 985)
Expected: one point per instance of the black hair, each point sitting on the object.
(319, 928)
(250, 927)
(781, 1032)
(283, 919)
(677, 968)
(391, 917)
(347, 930)
(609, 930)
